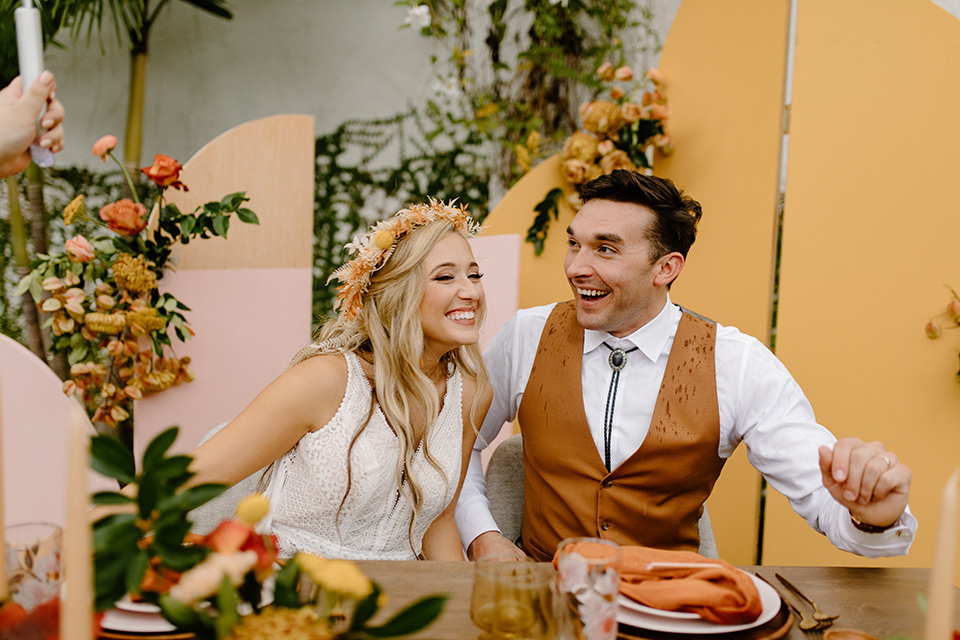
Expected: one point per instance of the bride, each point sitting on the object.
(369, 431)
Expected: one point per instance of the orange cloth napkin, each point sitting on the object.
(721, 593)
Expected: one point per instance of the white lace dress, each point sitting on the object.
(310, 481)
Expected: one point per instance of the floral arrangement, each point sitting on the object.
(935, 329)
(618, 133)
(102, 293)
(225, 584)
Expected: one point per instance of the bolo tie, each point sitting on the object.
(617, 361)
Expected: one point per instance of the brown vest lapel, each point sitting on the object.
(655, 497)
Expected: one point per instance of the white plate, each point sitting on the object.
(120, 620)
(633, 605)
(126, 604)
(769, 600)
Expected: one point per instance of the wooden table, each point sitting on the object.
(882, 602)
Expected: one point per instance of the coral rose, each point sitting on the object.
(126, 217)
(79, 249)
(575, 171)
(617, 159)
(664, 143)
(165, 172)
(660, 111)
(624, 73)
(580, 146)
(606, 72)
(631, 111)
(103, 146)
(603, 118)
(604, 147)
(654, 74)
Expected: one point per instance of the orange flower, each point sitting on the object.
(631, 111)
(654, 76)
(79, 249)
(624, 73)
(603, 118)
(126, 217)
(575, 171)
(103, 146)
(616, 93)
(933, 329)
(660, 111)
(165, 172)
(617, 159)
(606, 72)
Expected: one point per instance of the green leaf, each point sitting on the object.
(148, 493)
(365, 609)
(119, 532)
(111, 497)
(227, 601)
(198, 495)
(78, 354)
(25, 283)
(177, 613)
(177, 556)
(234, 200)
(157, 449)
(221, 225)
(248, 216)
(173, 471)
(285, 586)
(135, 570)
(112, 458)
(187, 225)
(411, 619)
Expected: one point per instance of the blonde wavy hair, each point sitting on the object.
(387, 332)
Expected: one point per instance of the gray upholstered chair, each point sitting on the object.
(504, 477)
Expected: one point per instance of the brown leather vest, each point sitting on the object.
(656, 496)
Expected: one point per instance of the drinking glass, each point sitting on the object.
(513, 600)
(588, 580)
(33, 562)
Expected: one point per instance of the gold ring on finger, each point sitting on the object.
(885, 459)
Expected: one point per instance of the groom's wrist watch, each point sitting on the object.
(871, 528)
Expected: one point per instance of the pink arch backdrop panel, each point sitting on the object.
(250, 293)
(35, 414)
(871, 233)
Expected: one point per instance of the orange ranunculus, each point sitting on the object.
(660, 111)
(616, 93)
(229, 536)
(664, 143)
(126, 217)
(79, 249)
(103, 146)
(165, 172)
(654, 74)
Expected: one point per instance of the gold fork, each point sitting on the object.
(818, 615)
(806, 624)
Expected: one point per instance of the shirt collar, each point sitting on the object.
(650, 338)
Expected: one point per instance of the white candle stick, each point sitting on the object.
(940, 596)
(76, 611)
(4, 586)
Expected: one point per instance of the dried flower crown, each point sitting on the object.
(372, 249)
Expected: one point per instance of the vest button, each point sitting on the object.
(604, 525)
(607, 484)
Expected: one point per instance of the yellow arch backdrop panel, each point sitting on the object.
(871, 231)
(725, 82)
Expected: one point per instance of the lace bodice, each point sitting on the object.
(310, 481)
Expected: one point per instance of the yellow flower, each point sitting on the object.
(341, 576)
(111, 323)
(580, 146)
(533, 141)
(74, 209)
(253, 508)
(144, 321)
(383, 239)
(133, 274)
(271, 622)
(487, 110)
(523, 158)
(603, 118)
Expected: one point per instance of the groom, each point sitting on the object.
(629, 405)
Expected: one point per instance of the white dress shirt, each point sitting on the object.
(759, 404)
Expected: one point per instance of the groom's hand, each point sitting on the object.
(492, 543)
(868, 480)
